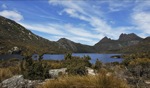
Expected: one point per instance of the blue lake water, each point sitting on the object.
(105, 58)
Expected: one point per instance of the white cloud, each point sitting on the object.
(81, 32)
(4, 6)
(118, 5)
(14, 15)
(93, 16)
(76, 34)
(142, 21)
(141, 17)
(141, 6)
(43, 28)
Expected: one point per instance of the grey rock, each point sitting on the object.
(55, 72)
(14, 82)
(19, 82)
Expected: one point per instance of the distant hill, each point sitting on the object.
(14, 38)
(75, 47)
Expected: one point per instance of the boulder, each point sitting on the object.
(56, 72)
(13, 82)
(19, 82)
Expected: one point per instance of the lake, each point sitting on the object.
(105, 58)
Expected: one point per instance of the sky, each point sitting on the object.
(82, 21)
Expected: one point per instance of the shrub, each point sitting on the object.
(76, 69)
(98, 65)
(140, 67)
(68, 56)
(34, 70)
(86, 61)
(76, 65)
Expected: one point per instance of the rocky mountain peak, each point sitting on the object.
(105, 39)
(129, 37)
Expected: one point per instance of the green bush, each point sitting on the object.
(77, 65)
(98, 65)
(34, 70)
(68, 56)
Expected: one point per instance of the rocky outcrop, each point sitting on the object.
(19, 82)
(15, 81)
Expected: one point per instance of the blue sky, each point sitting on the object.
(82, 21)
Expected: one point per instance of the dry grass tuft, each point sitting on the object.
(98, 81)
(8, 72)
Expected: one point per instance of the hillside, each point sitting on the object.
(14, 38)
(75, 47)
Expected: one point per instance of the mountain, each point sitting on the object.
(106, 45)
(142, 47)
(124, 44)
(129, 37)
(14, 38)
(75, 47)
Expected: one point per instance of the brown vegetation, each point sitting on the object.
(9, 71)
(99, 81)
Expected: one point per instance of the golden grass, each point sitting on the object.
(98, 81)
(8, 72)
(5, 73)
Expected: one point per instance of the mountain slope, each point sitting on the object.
(106, 45)
(14, 37)
(75, 47)
(142, 47)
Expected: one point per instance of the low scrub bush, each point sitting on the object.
(34, 69)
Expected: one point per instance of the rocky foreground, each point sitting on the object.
(19, 82)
